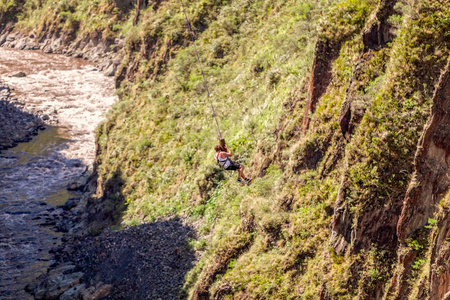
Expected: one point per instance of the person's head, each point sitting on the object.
(217, 148)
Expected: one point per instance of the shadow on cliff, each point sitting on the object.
(148, 261)
(108, 209)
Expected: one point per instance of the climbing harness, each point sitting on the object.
(223, 162)
(201, 69)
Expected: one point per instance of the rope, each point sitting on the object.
(198, 59)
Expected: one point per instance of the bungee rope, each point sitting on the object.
(201, 69)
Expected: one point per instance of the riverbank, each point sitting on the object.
(16, 124)
(69, 97)
(81, 261)
(105, 53)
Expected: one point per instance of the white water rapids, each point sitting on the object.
(34, 175)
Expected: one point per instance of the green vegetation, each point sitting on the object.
(6, 4)
(84, 17)
(270, 240)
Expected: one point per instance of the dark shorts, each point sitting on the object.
(233, 166)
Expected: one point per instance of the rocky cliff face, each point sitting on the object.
(431, 180)
(374, 38)
(394, 221)
(438, 281)
(426, 202)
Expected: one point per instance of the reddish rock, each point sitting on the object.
(325, 54)
(381, 31)
(431, 179)
(430, 184)
(439, 285)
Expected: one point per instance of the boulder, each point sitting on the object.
(56, 284)
(82, 180)
(110, 71)
(73, 293)
(96, 292)
(71, 203)
(18, 74)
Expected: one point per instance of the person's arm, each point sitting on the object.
(229, 153)
(226, 154)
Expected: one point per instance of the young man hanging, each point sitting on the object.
(223, 158)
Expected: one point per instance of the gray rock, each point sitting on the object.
(21, 44)
(11, 37)
(71, 203)
(119, 42)
(82, 180)
(30, 287)
(65, 268)
(2, 39)
(47, 49)
(110, 71)
(56, 284)
(18, 74)
(73, 293)
(99, 291)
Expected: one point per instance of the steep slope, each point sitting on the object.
(324, 101)
(423, 224)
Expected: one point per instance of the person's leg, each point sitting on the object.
(241, 172)
(246, 179)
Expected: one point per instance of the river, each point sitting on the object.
(74, 97)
